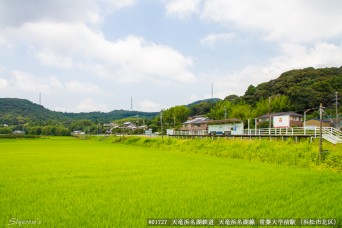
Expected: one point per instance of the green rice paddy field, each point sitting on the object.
(67, 182)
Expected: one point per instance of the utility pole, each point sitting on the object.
(305, 120)
(269, 115)
(131, 103)
(249, 131)
(337, 122)
(225, 112)
(98, 136)
(320, 129)
(161, 124)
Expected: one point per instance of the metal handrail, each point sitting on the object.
(307, 131)
(329, 133)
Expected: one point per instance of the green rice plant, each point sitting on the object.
(68, 182)
(15, 136)
(289, 152)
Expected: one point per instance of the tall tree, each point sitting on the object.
(175, 116)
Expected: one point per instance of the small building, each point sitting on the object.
(195, 125)
(128, 125)
(170, 131)
(109, 125)
(78, 133)
(18, 132)
(316, 123)
(204, 126)
(225, 127)
(149, 132)
(282, 119)
(143, 127)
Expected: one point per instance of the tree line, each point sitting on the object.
(295, 90)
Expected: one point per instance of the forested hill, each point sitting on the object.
(14, 111)
(305, 88)
(202, 107)
(300, 89)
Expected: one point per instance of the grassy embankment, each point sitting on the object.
(301, 154)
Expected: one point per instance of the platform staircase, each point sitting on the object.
(332, 135)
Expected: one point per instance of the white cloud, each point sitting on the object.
(89, 105)
(49, 58)
(305, 33)
(2, 40)
(16, 12)
(182, 8)
(69, 40)
(55, 83)
(118, 4)
(31, 83)
(28, 82)
(292, 20)
(142, 60)
(294, 56)
(321, 54)
(3, 83)
(194, 97)
(211, 39)
(128, 59)
(82, 87)
(149, 106)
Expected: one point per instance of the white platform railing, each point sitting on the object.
(199, 132)
(307, 131)
(329, 133)
(332, 135)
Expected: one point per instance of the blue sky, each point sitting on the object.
(94, 55)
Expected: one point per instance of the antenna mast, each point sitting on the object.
(131, 104)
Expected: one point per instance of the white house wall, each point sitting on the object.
(281, 121)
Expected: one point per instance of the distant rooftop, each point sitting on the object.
(281, 114)
(197, 120)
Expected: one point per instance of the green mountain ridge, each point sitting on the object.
(303, 88)
(14, 111)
